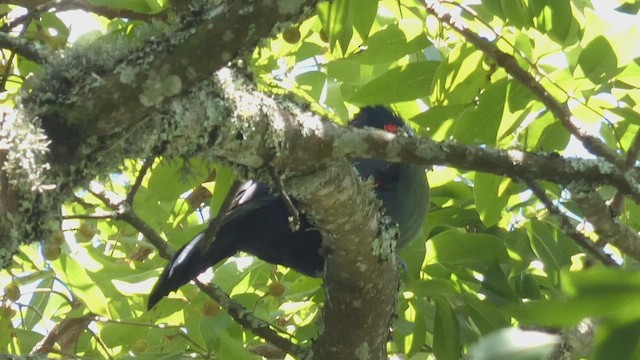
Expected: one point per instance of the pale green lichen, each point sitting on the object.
(159, 86)
(363, 352)
(385, 244)
(286, 7)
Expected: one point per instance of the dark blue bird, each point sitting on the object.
(258, 220)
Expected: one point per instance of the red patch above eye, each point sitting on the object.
(392, 128)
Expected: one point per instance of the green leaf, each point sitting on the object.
(460, 79)
(73, 272)
(232, 348)
(364, 13)
(446, 332)
(140, 6)
(403, 83)
(171, 178)
(597, 292)
(224, 180)
(437, 122)
(38, 303)
(598, 60)
(618, 341)
(627, 114)
(393, 42)
(345, 71)
(545, 244)
(517, 13)
(485, 315)
(553, 17)
(490, 200)
(481, 124)
(514, 344)
(336, 18)
(455, 247)
(495, 281)
(312, 83)
(420, 329)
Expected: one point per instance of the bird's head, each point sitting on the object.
(378, 117)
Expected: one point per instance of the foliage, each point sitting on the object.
(491, 254)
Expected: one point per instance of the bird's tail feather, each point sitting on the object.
(187, 264)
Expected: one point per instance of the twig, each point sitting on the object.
(632, 155)
(247, 320)
(100, 342)
(510, 64)
(606, 226)
(578, 237)
(214, 224)
(90, 216)
(294, 219)
(148, 162)
(124, 212)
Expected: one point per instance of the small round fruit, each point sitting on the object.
(276, 289)
(7, 312)
(51, 252)
(291, 35)
(210, 308)
(12, 292)
(87, 231)
(140, 346)
(57, 238)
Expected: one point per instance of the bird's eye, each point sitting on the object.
(392, 128)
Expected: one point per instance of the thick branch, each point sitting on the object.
(22, 47)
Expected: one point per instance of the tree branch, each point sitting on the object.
(246, 319)
(510, 64)
(578, 237)
(606, 226)
(23, 47)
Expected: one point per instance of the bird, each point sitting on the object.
(257, 221)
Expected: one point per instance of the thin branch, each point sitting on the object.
(294, 219)
(90, 216)
(125, 213)
(616, 202)
(510, 64)
(100, 342)
(606, 226)
(248, 320)
(148, 162)
(579, 238)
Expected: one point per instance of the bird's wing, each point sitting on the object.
(190, 261)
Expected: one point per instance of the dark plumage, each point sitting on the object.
(258, 224)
